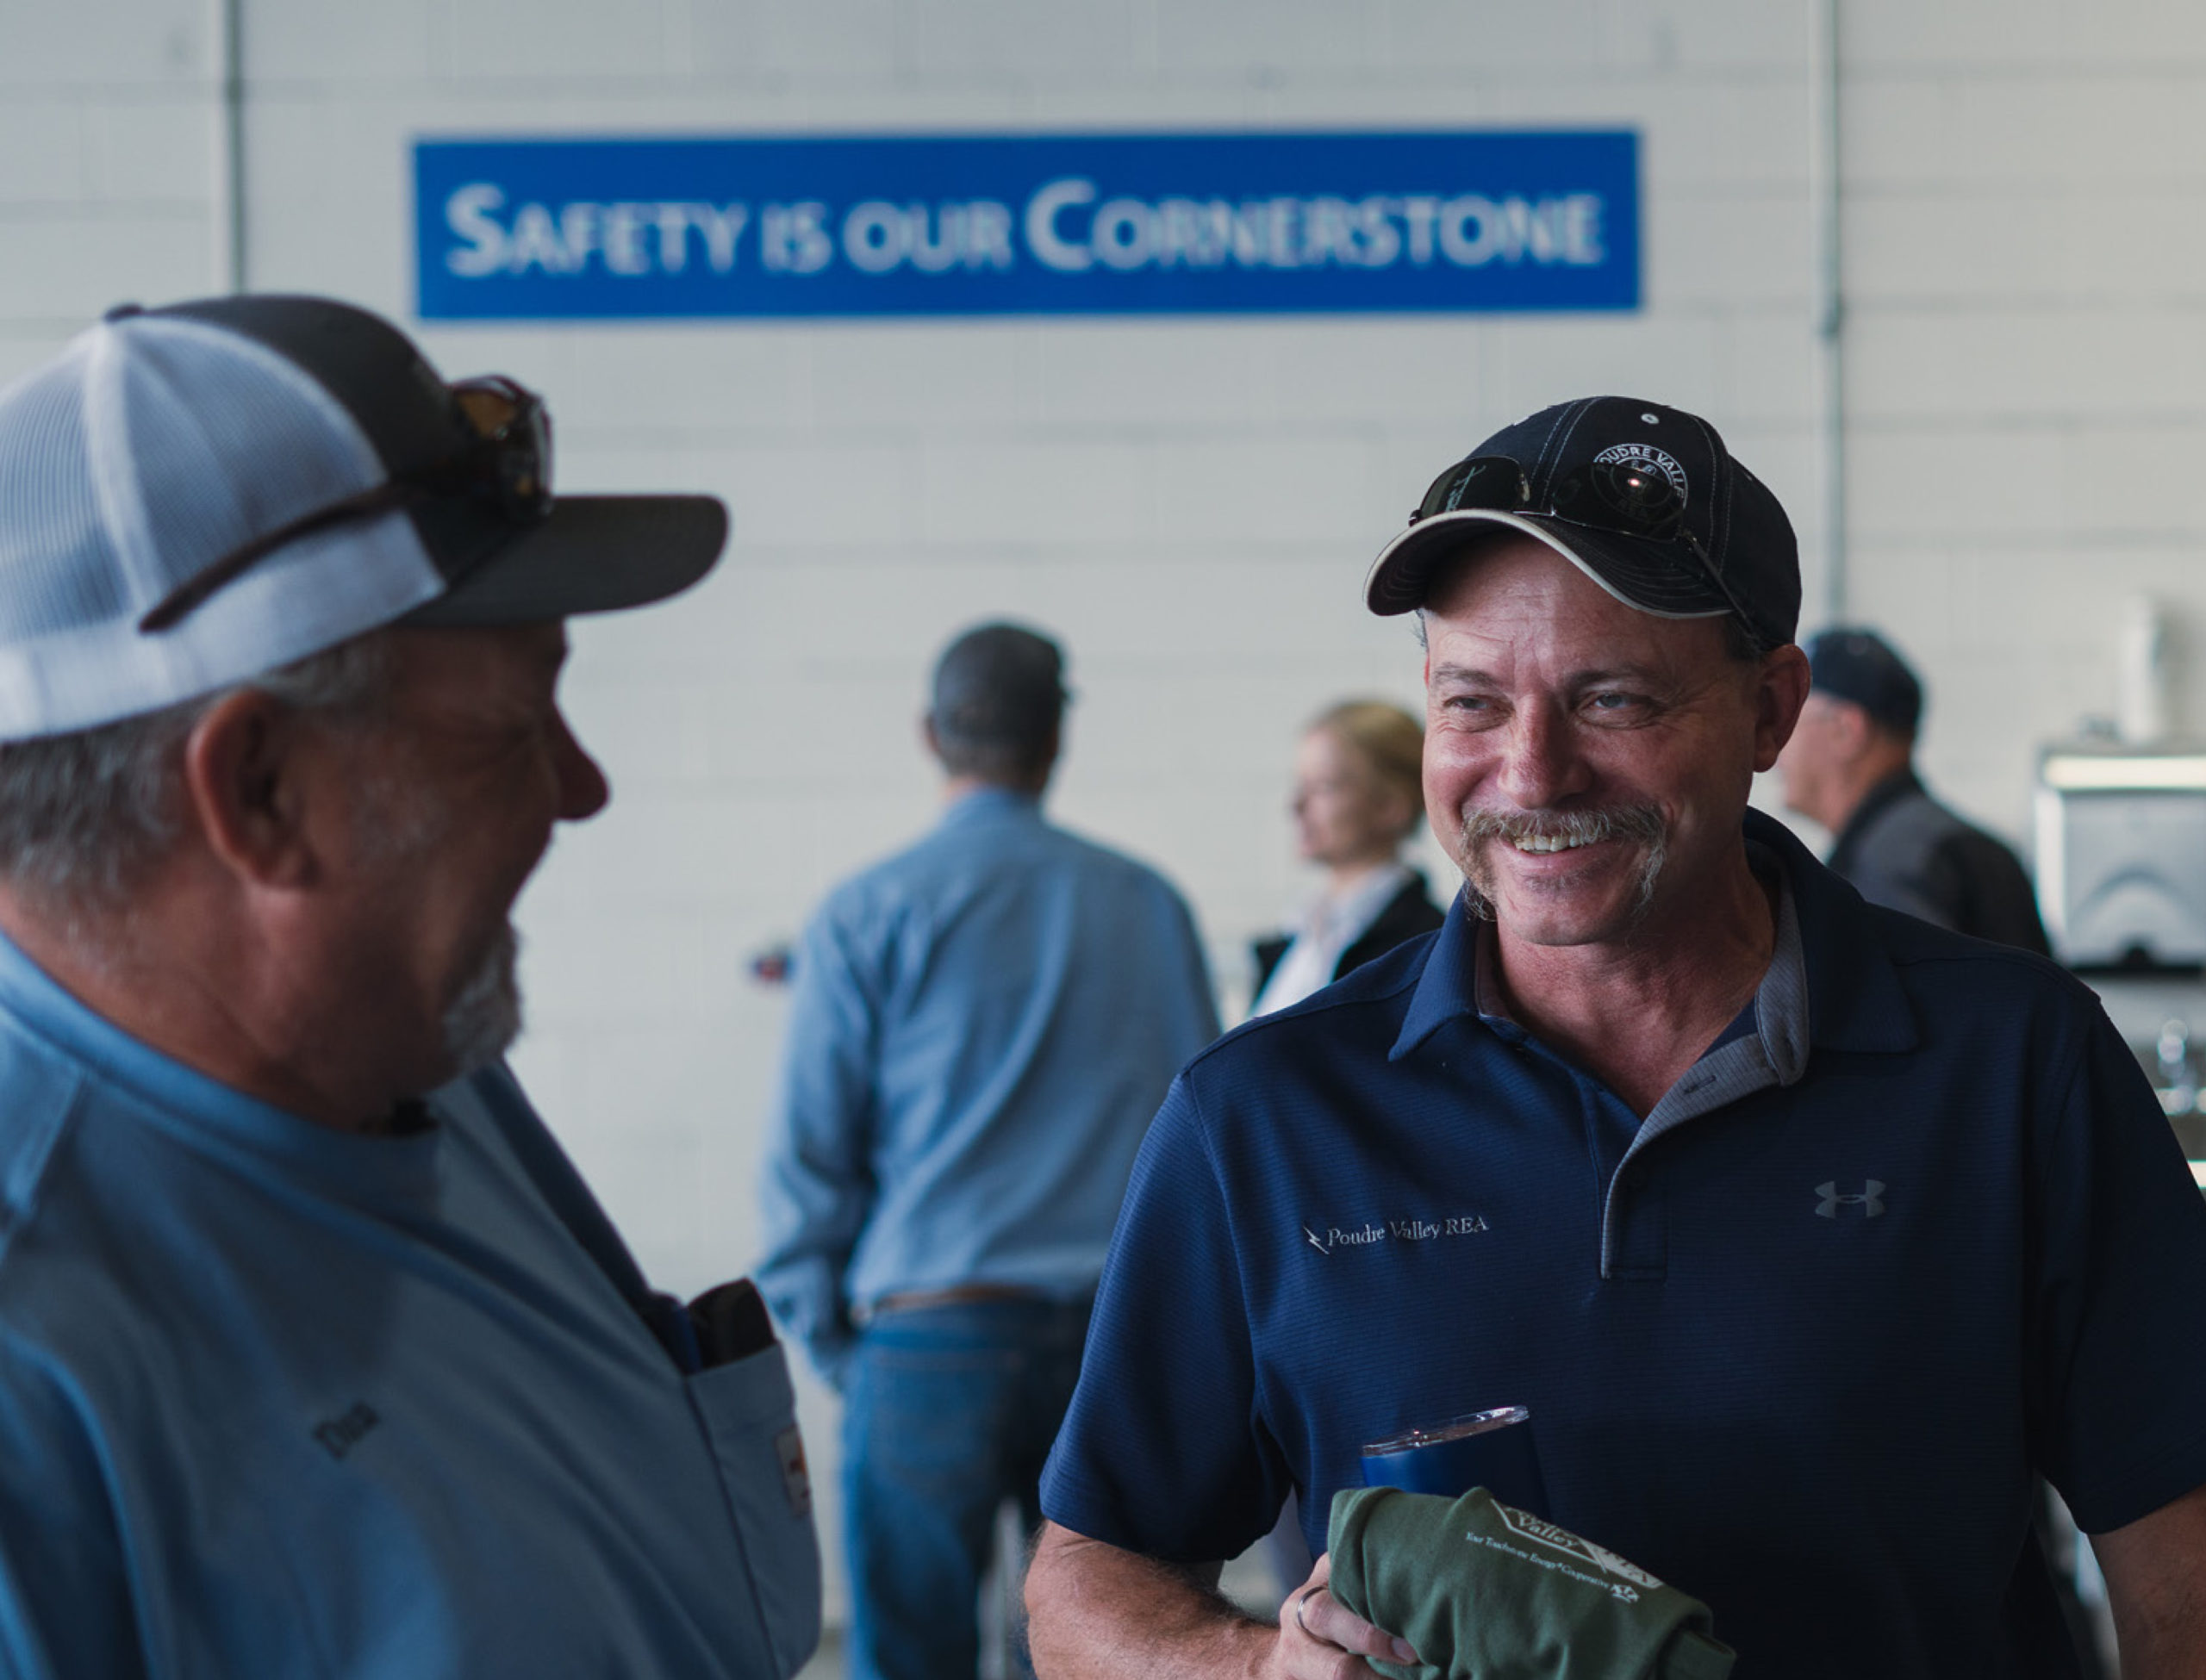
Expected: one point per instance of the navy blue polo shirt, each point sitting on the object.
(1914, 1231)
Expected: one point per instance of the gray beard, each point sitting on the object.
(484, 1017)
(1629, 822)
(483, 1020)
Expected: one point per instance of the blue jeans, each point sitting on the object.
(949, 1410)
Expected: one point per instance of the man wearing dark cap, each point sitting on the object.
(316, 1357)
(982, 1026)
(1806, 1232)
(1850, 766)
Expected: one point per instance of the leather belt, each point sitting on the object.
(912, 1300)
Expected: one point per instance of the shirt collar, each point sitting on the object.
(1784, 1016)
(1830, 984)
(990, 803)
(357, 1167)
(1447, 989)
(1780, 1008)
(1855, 1000)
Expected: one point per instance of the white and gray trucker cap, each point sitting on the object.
(192, 495)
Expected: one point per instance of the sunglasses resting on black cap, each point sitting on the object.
(1645, 499)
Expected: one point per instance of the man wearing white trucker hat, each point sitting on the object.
(1806, 1232)
(315, 1354)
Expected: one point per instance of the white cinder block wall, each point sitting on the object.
(2027, 277)
(1189, 504)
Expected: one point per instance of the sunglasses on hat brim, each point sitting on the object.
(505, 463)
(1622, 498)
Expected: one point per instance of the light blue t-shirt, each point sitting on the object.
(281, 1400)
(982, 1028)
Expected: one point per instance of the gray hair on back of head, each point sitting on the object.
(83, 815)
(998, 701)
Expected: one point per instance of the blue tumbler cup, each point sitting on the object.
(1490, 1449)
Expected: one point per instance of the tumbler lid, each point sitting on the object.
(1456, 1428)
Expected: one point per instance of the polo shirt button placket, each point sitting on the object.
(1633, 1236)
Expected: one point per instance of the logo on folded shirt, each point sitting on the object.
(1577, 1548)
(1370, 1233)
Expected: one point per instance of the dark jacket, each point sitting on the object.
(1903, 850)
(1408, 913)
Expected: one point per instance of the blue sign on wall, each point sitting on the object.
(1150, 224)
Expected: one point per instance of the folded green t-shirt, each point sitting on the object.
(1485, 1592)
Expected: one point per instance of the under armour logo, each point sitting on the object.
(1871, 1201)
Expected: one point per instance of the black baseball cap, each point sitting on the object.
(1645, 499)
(1850, 664)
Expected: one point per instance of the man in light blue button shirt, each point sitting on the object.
(982, 1026)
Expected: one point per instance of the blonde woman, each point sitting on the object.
(1359, 795)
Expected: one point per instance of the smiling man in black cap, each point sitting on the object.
(1806, 1232)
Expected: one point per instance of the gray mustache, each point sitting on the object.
(1623, 822)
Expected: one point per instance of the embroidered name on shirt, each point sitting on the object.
(1393, 1230)
(340, 1435)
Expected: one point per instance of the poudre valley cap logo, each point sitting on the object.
(1640, 481)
